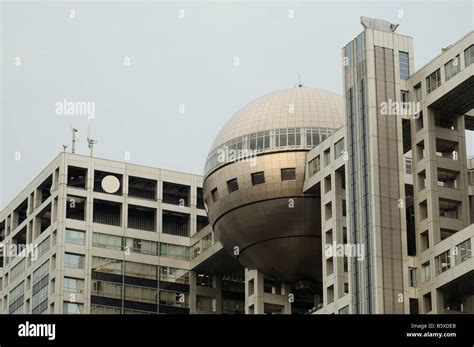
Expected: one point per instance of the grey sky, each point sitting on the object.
(175, 61)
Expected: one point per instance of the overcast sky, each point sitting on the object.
(47, 57)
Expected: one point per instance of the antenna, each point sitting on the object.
(299, 85)
(91, 142)
(73, 149)
(64, 148)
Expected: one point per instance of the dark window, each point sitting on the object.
(258, 178)
(288, 174)
(232, 185)
(469, 56)
(76, 177)
(215, 195)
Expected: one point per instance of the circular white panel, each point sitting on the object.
(110, 184)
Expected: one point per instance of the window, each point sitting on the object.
(258, 178)
(338, 148)
(412, 282)
(433, 81)
(107, 241)
(74, 260)
(404, 98)
(417, 92)
(43, 247)
(176, 299)
(469, 55)
(314, 166)
(73, 285)
(72, 308)
(443, 262)
(169, 250)
(141, 270)
(17, 270)
(142, 246)
(288, 174)
(174, 275)
(205, 303)
(215, 195)
(463, 251)
(425, 272)
(142, 218)
(204, 280)
(404, 65)
(408, 166)
(232, 185)
(75, 236)
(452, 67)
(76, 177)
(327, 157)
(16, 297)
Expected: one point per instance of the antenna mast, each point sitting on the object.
(73, 148)
(91, 142)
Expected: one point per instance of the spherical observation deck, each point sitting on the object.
(254, 174)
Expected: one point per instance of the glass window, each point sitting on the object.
(205, 303)
(417, 91)
(73, 285)
(338, 148)
(258, 178)
(72, 308)
(43, 247)
(170, 298)
(360, 47)
(17, 270)
(425, 272)
(291, 137)
(412, 277)
(443, 262)
(283, 137)
(232, 185)
(463, 251)
(469, 55)
(141, 270)
(314, 166)
(452, 67)
(107, 241)
(75, 236)
(433, 81)
(327, 157)
(169, 250)
(74, 260)
(253, 141)
(288, 174)
(174, 275)
(107, 265)
(404, 65)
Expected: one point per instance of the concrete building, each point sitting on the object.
(317, 203)
(109, 237)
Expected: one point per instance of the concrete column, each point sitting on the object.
(256, 298)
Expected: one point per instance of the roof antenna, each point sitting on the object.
(73, 148)
(64, 148)
(299, 81)
(91, 142)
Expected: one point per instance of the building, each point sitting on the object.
(317, 203)
(94, 226)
